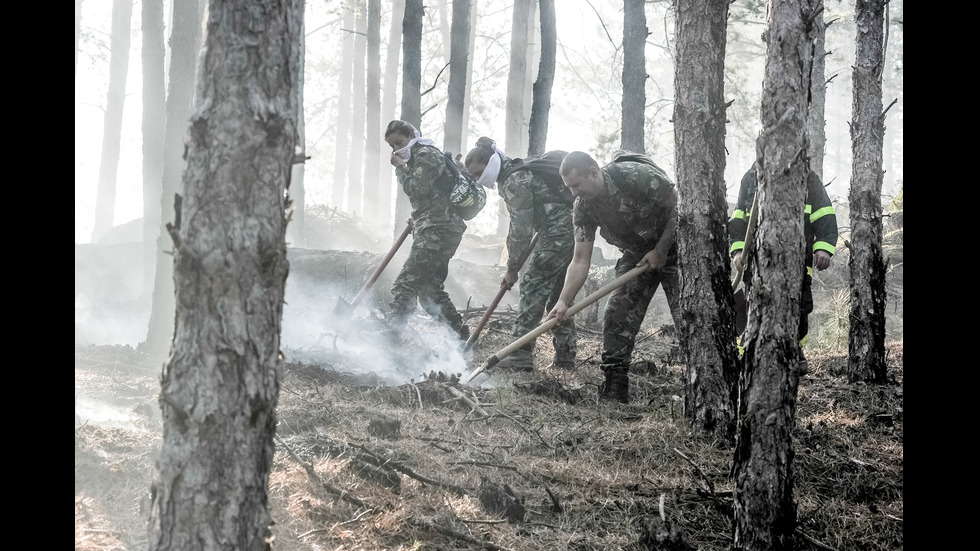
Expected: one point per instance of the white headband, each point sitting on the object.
(489, 177)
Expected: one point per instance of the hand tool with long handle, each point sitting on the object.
(346, 309)
(551, 322)
(500, 294)
(741, 306)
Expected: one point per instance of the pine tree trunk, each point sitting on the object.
(373, 136)
(708, 332)
(355, 171)
(296, 231)
(154, 128)
(105, 200)
(866, 342)
(634, 75)
(765, 513)
(818, 93)
(541, 102)
(220, 385)
(387, 192)
(516, 107)
(459, 52)
(185, 45)
(411, 90)
(346, 79)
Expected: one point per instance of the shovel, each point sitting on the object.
(345, 309)
(500, 294)
(551, 322)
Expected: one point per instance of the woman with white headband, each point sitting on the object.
(421, 170)
(537, 201)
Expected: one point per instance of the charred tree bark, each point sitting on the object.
(220, 385)
(541, 102)
(634, 75)
(105, 200)
(866, 342)
(708, 322)
(411, 89)
(185, 45)
(458, 54)
(765, 512)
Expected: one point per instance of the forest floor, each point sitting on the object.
(520, 461)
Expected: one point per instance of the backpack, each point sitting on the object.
(622, 155)
(467, 197)
(545, 167)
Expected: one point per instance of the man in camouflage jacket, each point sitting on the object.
(437, 233)
(819, 230)
(633, 204)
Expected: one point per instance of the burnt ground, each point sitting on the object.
(524, 462)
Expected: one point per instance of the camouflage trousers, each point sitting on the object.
(627, 306)
(422, 279)
(540, 288)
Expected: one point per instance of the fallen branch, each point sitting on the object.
(446, 531)
(459, 491)
(311, 472)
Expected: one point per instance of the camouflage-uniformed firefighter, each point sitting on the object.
(422, 172)
(633, 204)
(819, 230)
(537, 201)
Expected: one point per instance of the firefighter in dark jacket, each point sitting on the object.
(819, 229)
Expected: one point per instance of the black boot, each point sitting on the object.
(617, 384)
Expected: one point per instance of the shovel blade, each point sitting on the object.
(343, 310)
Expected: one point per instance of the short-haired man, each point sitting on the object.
(633, 204)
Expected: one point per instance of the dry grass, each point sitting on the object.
(410, 467)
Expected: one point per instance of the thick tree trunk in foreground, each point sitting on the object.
(220, 386)
(708, 332)
(634, 75)
(866, 342)
(541, 102)
(765, 512)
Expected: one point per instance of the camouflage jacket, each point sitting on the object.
(633, 213)
(533, 207)
(427, 182)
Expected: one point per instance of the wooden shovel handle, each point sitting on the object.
(551, 322)
(383, 265)
(500, 294)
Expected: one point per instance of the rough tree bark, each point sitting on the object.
(105, 200)
(411, 108)
(866, 341)
(708, 320)
(220, 385)
(541, 103)
(634, 75)
(817, 123)
(185, 45)
(765, 513)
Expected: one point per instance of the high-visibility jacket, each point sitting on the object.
(819, 219)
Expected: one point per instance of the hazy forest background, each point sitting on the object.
(585, 109)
